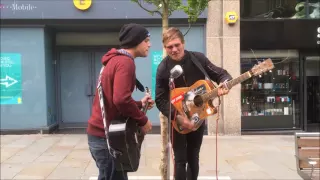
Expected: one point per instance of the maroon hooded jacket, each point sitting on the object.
(118, 82)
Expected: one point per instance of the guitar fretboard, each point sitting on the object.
(229, 84)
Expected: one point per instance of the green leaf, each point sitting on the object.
(193, 8)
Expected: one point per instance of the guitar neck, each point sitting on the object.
(145, 108)
(229, 84)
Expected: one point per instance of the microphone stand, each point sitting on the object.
(171, 87)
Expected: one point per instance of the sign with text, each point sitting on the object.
(156, 58)
(18, 7)
(74, 9)
(10, 78)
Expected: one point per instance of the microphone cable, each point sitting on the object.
(217, 123)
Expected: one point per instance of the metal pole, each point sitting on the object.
(171, 86)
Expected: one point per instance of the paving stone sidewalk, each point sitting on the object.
(59, 156)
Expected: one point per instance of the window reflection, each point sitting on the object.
(280, 9)
(314, 9)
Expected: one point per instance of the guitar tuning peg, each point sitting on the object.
(260, 76)
(270, 70)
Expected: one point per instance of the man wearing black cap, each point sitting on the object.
(118, 80)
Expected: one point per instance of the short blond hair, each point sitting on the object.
(172, 33)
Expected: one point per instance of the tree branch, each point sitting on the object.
(187, 29)
(164, 2)
(193, 17)
(151, 12)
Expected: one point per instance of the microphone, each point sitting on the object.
(176, 71)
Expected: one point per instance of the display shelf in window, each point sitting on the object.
(272, 94)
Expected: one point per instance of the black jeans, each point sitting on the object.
(99, 151)
(186, 149)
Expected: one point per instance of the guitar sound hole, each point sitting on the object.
(198, 101)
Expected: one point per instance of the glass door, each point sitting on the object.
(312, 93)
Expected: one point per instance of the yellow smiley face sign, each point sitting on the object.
(82, 4)
(231, 17)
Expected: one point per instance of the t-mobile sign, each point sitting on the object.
(18, 7)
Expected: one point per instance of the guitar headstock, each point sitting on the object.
(148, 91)
(145, 108)
(262, 67)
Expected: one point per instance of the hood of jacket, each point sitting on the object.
(109, 55)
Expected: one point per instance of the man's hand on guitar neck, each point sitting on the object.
(185, 122)
(222, 89)
(145, 99)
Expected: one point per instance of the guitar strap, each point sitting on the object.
(103, 112)
(101, 100)
(196, 62)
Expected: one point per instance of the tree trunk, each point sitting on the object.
(164, 161)
(164, 152)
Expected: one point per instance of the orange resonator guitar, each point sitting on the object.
(197, 101)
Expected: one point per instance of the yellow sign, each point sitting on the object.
(19, 100)
(231, 17)
(82, 4)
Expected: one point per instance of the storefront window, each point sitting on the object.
(280, 9)
(271, 101)
(24, 99)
